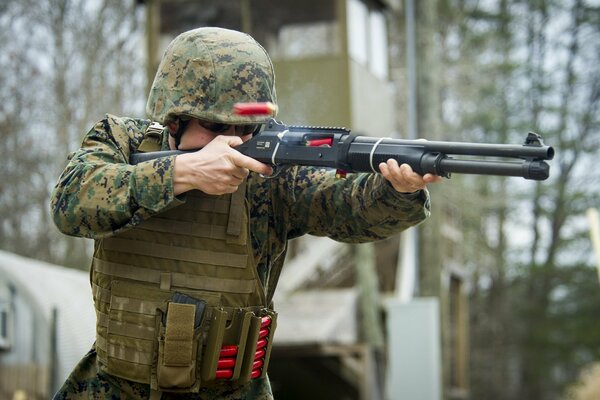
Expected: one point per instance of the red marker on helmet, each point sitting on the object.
(265, 108)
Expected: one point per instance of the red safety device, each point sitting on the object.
(340, 174)
(320, 142)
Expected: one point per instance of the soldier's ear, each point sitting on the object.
(173, 127)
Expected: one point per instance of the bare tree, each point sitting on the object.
(513, 66)
(67, 62)
(575, 130)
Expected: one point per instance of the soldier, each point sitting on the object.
(188, 248)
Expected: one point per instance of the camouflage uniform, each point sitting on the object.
(99, 194)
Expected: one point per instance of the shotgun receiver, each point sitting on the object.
(282, 146)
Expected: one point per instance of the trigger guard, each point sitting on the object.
(277, 170)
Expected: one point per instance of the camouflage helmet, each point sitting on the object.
(205, 71)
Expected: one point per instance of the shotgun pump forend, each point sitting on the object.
(282, 146)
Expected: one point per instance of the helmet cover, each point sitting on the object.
(205, 71)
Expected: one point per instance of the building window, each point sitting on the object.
(367, 38)
(358, 21)
(303, 40)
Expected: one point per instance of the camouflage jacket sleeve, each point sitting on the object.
(99, 193)
(307, 200)
(363, 207)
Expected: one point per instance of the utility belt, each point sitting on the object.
(184, 343)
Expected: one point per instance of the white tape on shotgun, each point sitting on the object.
(373, 152)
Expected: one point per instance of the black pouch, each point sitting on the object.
(182, 298)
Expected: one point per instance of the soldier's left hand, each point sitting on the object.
(404, 179)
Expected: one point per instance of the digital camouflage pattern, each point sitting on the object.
(100, 194)
(205, 71)
(202, 74)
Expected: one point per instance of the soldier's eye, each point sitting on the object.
(240, 130)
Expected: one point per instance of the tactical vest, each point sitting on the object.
(178, 300)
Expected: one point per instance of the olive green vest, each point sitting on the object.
(178, 300)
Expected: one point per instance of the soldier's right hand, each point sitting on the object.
(215, 169)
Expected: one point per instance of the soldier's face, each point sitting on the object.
(198, 134)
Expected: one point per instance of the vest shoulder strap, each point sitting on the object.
(153, 137)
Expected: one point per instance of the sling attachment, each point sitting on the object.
(152, 140)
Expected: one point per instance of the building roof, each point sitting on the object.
(309, 315)
(317, 317)
(68, 291)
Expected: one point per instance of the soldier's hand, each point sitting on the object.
(404, 179)
(215, 169)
